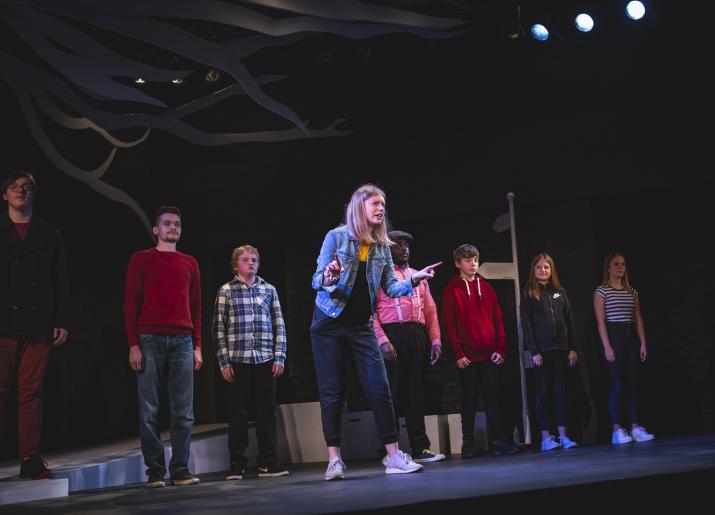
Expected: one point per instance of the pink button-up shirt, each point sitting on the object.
(419, 308)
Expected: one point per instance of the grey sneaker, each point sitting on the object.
(620, 436)
(550, 443)
(401, 463)
(641, 434)
(336, 470)
(567, 443)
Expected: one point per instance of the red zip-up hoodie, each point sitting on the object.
(472, 320)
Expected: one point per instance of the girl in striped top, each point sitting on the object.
(622, 333)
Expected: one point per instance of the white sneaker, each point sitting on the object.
(640, 434)
(620, 436)
(549, 444)
(566, 442)
(336, 470)
(401, 463)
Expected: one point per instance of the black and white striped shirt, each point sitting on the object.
(620, 304)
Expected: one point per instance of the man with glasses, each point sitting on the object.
(34, 312)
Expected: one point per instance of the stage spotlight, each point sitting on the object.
(635, 10)
(539, 32)
(212, 76)
(584, 22)
(178, 82)
(139, 81)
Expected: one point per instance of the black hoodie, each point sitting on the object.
(547, 323)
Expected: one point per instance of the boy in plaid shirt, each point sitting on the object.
(250, 337)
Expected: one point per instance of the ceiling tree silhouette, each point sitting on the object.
(65, 71)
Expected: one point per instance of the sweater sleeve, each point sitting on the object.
(133, 292)
(449, 320)
(195, 305)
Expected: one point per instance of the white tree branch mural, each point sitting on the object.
(68, 75)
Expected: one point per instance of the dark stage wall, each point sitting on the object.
(447, 128)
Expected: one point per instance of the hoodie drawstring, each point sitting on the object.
(479, 287)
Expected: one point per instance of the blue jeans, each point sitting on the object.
(173, 354)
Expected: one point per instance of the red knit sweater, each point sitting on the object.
(472, 319)
(163, 295)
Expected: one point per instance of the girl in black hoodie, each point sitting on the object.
(549, 334)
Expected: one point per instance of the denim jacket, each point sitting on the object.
(380, 272)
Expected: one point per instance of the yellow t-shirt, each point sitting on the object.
(364, 249)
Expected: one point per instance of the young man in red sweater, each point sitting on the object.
(162, 314)
(472, 320)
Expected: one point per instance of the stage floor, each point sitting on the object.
(592, 476)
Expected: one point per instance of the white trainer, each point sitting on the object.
(641, 434)
(336, 470)
(620, 436)
(549, 444)
(401, 463)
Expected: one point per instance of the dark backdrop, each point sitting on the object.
(603, 137)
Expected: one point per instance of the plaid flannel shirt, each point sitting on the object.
(248, 324)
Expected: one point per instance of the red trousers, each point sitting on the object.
(24, 360)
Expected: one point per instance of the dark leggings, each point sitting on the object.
(551, 379)
(331, 340)
(624, 370)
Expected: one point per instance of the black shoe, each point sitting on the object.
(272, 470)
(34, 467)
(467, 449)
(156, 479)
(184, 478)
(236, 472)
(502, 447)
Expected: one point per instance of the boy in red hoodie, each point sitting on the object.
(472, 321)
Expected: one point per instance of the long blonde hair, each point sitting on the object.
(532, 285)
(356, 217)
(607, 277)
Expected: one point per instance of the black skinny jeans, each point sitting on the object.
(551, 380)
(331, 339)
(624, 370)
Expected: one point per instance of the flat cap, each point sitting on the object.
(399, 235)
